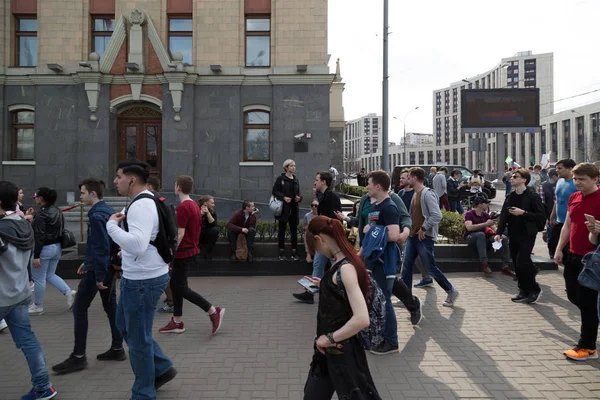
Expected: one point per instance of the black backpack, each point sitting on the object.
(166, 239)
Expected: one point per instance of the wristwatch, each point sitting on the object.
(423, 229)
(330, 337)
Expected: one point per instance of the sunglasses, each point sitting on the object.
(515, 176)
(314, 205)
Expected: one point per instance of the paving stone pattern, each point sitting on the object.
(486, 347)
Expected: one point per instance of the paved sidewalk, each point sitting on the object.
(487, 347)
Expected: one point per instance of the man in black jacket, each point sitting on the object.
(523, 212)
(329, 203)
(453, 187)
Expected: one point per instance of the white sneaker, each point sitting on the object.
(451, 299)
(71, 298)
(3, 325)
(35, 310)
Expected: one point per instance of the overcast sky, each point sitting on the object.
(436, 42)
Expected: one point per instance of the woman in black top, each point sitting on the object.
(47, 226)
(287, 189)
(339, 363)
(209, 232)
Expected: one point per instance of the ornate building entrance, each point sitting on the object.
(140, 136)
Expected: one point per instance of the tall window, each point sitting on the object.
(567, 138)
(258, 41)
(257, 132)
(180, 37)
(543, 141)
(554, 137)
(26, 41)
(22, 134)
(580, 144)
(102, 29)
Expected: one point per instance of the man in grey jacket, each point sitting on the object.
(426, 217)
(440, 188)
(16, 245)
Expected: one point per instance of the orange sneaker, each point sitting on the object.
(581, 354)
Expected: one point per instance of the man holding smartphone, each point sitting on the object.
(521, 212)
(586, 201)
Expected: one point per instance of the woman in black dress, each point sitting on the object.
(339, 362)
(287, 189)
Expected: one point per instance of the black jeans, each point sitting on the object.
(403, 293)
(584, 298)
(520, 252)
(346, 373)
(554, 238)
(293, 234)
(232, 237)
(86, 292)
(208, 238)
(180, 288)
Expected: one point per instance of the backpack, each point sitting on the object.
(166, 239)
(241, 248)
(371, 336)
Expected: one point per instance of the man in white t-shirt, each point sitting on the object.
(145, 276)
(476, 182)
(334, 173)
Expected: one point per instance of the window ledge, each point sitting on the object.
(18, 162)
(256, 164)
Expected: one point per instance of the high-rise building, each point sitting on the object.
(523, 70)
(362, 137)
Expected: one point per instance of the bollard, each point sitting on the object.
(81, 221)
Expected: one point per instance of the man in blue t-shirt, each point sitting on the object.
(565, 187)
(384, 212)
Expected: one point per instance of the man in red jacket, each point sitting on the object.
(242, 222)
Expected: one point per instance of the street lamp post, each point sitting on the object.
(384, 116)
(404, 125)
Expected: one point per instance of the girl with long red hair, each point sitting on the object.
(339, 363)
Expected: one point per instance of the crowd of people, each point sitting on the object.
(355, 281)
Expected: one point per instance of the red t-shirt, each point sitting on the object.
(579, 205)
(190, 219)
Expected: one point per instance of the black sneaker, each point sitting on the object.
(112, 355)
(385, 348)
(417, 315)
(282, 256)
(520, 298)
(71, 364)
(165, 378)
(305, 297)
(295, 256)
(533, 297)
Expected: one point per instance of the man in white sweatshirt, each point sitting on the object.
(145, 276)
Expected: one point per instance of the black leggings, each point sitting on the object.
(293, 234)
(180, 288)
(346, 374)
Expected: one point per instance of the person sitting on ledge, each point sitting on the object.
(479, 233)
(242, 222)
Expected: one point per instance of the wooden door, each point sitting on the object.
(140, 139)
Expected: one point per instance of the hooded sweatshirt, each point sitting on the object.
(16, 244)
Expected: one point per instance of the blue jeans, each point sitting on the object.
(17, 319)
(424, 250)
(49, 258)
(135, 315)
(319, 262)
(390, 332)
(455, 206)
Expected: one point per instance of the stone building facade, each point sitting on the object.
(217, 89)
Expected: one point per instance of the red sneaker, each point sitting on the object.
(172, 327)
(217, 319)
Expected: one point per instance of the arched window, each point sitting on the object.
(23, 134)
(257, 135)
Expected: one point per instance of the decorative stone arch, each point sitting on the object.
(257, 107)
(16, 107)
(124, 102)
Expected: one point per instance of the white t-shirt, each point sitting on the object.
(140, 259)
